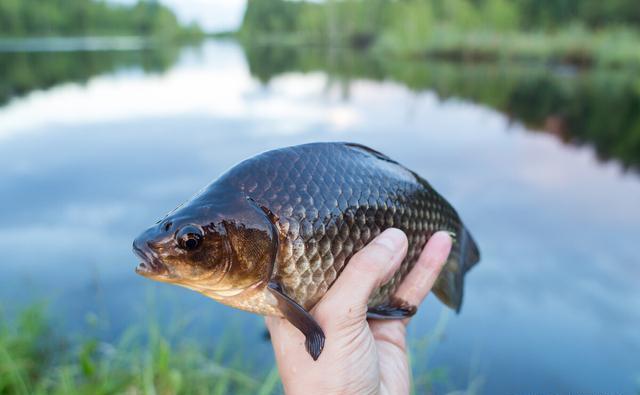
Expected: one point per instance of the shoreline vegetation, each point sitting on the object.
(35, 359)
(24, 19)
(579, 33)
(151, 358)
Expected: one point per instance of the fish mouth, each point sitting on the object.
(150, 265)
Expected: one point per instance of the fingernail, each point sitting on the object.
(391, 238)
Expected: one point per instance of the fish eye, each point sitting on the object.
(189, 237)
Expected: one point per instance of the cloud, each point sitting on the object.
(213, 88)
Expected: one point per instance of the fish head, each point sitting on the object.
(219, 247)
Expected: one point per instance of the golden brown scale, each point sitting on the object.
(330, 200)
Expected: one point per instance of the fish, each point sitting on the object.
(272, 234)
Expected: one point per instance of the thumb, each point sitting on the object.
(346, 301)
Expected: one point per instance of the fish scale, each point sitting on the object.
(331, 199)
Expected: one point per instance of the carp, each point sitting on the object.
(272, 234)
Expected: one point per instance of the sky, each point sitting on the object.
(212, 15)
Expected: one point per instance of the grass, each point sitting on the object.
(35, 359)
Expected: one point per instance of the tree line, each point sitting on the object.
(360, 17)
(19, 18)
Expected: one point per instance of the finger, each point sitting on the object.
(368, 269)
(421, 278)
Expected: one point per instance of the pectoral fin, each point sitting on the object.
(301, 319)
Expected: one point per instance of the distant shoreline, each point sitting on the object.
(74, 44)
(590, 35)
(83, 43)
(590, 51)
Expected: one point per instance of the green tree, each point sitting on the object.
(89, 17)
(11, 17)
(501, 15)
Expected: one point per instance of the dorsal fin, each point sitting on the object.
(371, 151)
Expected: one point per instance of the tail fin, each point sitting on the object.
(449, 285)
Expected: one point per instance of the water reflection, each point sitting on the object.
(26, 71)
(554, 305)
(595, 107)
(598, 108)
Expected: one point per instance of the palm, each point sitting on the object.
(390, 342)
(360, 356)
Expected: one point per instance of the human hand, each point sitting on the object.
(359, 356)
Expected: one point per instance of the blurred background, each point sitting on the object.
(525, 114)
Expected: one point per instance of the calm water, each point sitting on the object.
(105, 150)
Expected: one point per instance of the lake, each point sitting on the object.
(540, 161)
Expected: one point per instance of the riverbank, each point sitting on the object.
(89, 43)
(573, 47)
(576, 47)
(585, 35)
(74, 44)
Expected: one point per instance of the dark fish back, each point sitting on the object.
(328, 200)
